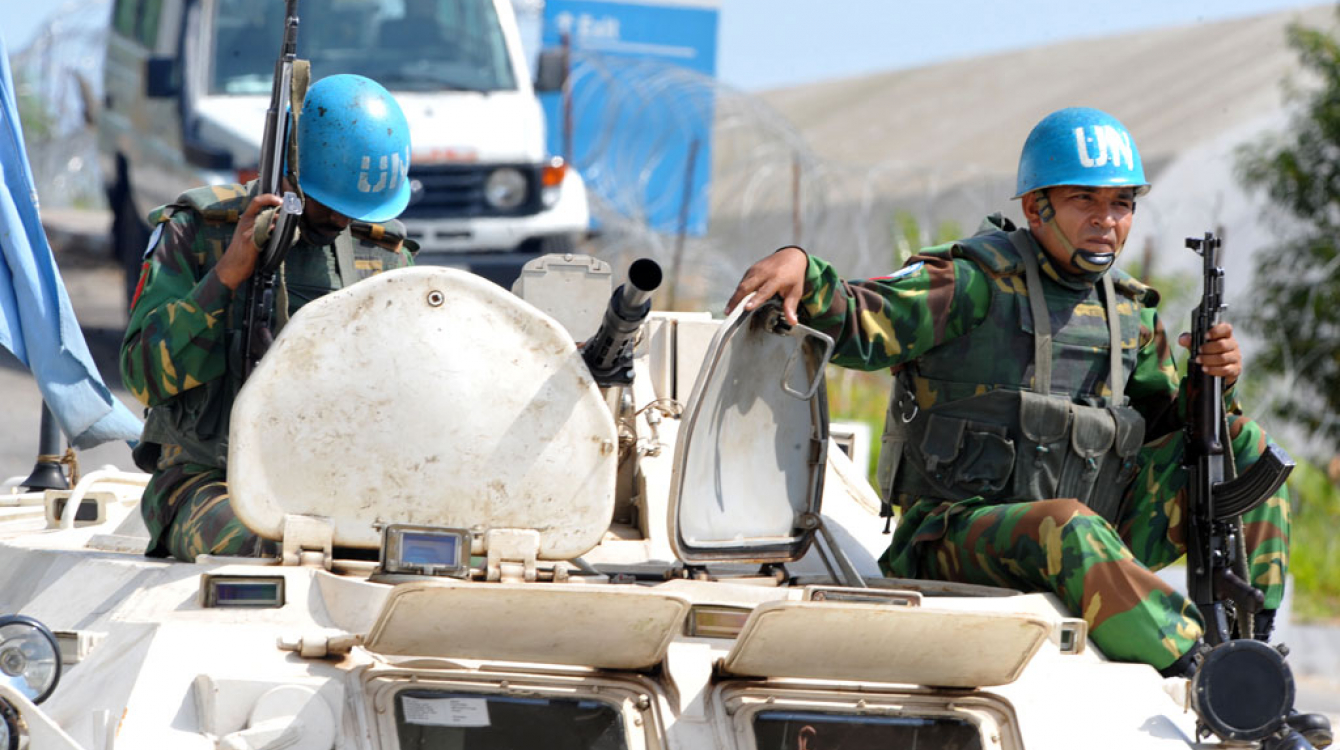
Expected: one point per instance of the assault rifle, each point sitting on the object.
(1216, 557)
(275, 228)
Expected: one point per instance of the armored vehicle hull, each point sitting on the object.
(482, 547)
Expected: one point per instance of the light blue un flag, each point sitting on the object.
(37, 322)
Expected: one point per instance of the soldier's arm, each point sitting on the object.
(174, 340)
(887, 321)
(1154, 384)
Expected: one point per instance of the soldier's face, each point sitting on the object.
(321, 223)
(1096, 221)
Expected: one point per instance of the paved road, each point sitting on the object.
(95, 290)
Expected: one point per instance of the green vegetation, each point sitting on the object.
(34, 115)
(905, 230)
(855, 396)
(1296, 311)
(1315, 558)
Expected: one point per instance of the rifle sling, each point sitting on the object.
(302, 76)
(1118, 378)
(1042, 321)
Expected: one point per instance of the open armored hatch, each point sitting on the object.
(424, 396)
(431, 397)
(749, 463)
(879, 643)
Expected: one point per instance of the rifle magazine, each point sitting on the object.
(1251, 488)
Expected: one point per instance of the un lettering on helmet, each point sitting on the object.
(1110, 144)
(392, 169)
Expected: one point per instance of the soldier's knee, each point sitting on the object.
(1068, 511)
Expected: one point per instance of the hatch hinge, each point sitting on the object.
(308, 541)
(511, 554)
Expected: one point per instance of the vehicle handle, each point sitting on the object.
(776, 323)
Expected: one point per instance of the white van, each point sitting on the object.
(187, 83)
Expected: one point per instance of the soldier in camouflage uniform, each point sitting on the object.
(1034, 434)
(182, 351)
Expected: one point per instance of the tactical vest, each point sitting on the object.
(192, 427)
(1030, 404)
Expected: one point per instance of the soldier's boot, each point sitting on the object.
(1315, 728)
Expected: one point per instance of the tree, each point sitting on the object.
(1297, 307)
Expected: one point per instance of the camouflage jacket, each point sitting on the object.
(965, 417)
(180, 355)
(940, 295)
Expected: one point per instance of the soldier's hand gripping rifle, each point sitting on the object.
(1216, 559)
(275, 228)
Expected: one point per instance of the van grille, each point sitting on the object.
(447, 191)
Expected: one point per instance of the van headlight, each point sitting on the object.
(29, 657)
(505, 188)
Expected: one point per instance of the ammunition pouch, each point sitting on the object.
(1015, 446)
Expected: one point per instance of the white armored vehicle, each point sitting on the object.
(494, 539)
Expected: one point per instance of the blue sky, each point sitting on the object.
(771, 43)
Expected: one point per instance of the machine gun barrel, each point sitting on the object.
(609, 353)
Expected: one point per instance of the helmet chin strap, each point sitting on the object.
(1085, 261)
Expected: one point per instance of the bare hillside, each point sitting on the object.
(1172, 87)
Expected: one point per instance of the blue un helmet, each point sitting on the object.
(353, 148)
(1080, 146)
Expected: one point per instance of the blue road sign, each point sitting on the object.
(642, 104)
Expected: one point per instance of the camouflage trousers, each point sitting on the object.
(188, 513)
(1102, 573)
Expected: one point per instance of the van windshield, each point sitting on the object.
(405, 45)
(476, 721)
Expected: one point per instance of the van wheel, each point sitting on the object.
(130, 235)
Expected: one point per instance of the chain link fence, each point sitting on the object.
(58, 82)
(768, 187)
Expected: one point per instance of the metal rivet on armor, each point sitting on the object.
(436, 298)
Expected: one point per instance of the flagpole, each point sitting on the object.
(47, 473)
